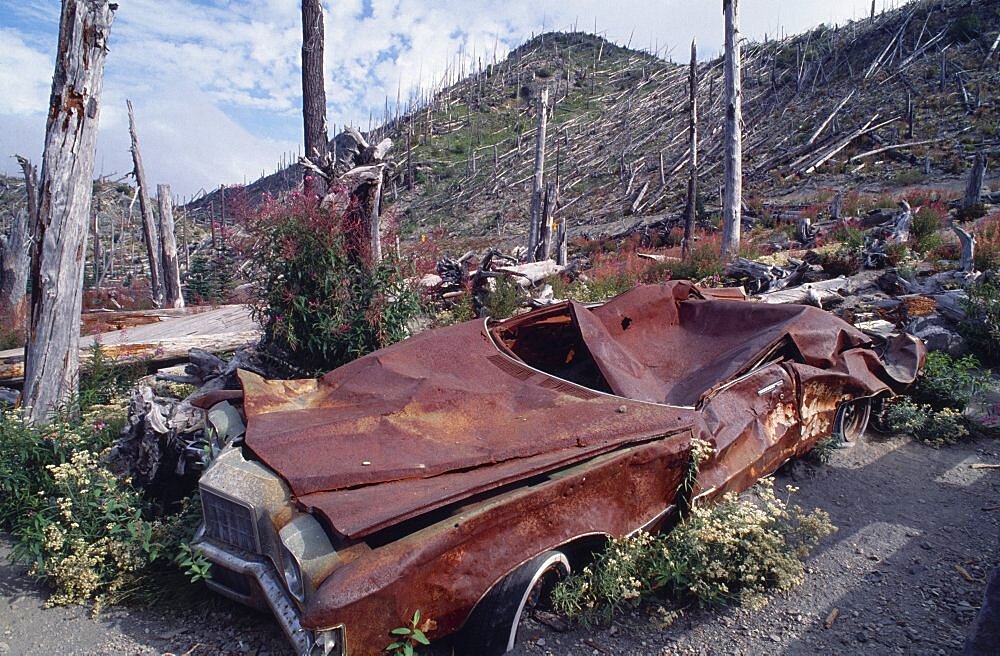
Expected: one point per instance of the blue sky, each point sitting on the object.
(216, 85)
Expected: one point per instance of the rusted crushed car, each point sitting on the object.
(458, 471)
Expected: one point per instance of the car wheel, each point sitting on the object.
(491, 629)
(852, 419)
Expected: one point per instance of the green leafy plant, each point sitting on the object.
(103, 379)
(825, 448)
(212, 275)
(730, 552)
(316, 291)
(943, 427)
(193, 563)
(987, 255)
(901, 415)
(83, 530)
(982, 323)
(935, 428)
(949, 382)
(504, 299)
(966, 28)
(924, 230)
(408, 638)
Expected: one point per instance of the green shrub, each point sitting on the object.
(907, 177)
(949, 382)
(901, 415)
(982, 323)
(825, 448)
(504, 299)
(601, 288)
(316, 293)
(212, 276)
(733, 551)
(851, 239)
(924, 231)
(935, 428)
(461, 310)
(987, 256)
(104, 380)
(703, 261)
(942, 427)
(84, 531)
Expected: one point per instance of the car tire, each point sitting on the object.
(852, 419)
(491, 629)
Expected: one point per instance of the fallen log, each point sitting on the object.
(825, 290)
(160, 350)
(531, 273)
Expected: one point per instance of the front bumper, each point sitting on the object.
(253, 581)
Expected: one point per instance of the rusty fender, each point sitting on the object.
(444, 569)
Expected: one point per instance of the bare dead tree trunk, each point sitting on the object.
(548, 208)
(733, 136)
(561, 239)
(314, 95)
(149, 231)
(15, 255)
(409, 155)
(692, 190)
(51, 352)
(909, 115)
(974, 188)
(534, 228)
(374, 224)
(168, 241)
(95, 211)
(968, 242)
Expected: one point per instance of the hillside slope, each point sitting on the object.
(616, 142)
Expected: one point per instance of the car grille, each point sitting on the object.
(229, 522)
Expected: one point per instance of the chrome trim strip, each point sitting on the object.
(557, 557)
(280, 601)
(770, 388)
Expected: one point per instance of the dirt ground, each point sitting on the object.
(904, 575)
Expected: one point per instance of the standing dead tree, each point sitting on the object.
(968, 242)
(534, 228)
(974, 188)
(690, 208)
(66, 186)
(360, 169)
(149, 231)
(317, 140)
(733, 157)
(15, 255)
(168, 248)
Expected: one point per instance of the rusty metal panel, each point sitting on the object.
(444, 569)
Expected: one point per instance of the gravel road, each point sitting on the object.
(904, 575)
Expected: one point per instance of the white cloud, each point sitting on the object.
(25, 75)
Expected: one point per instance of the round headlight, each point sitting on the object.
(293, 574)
